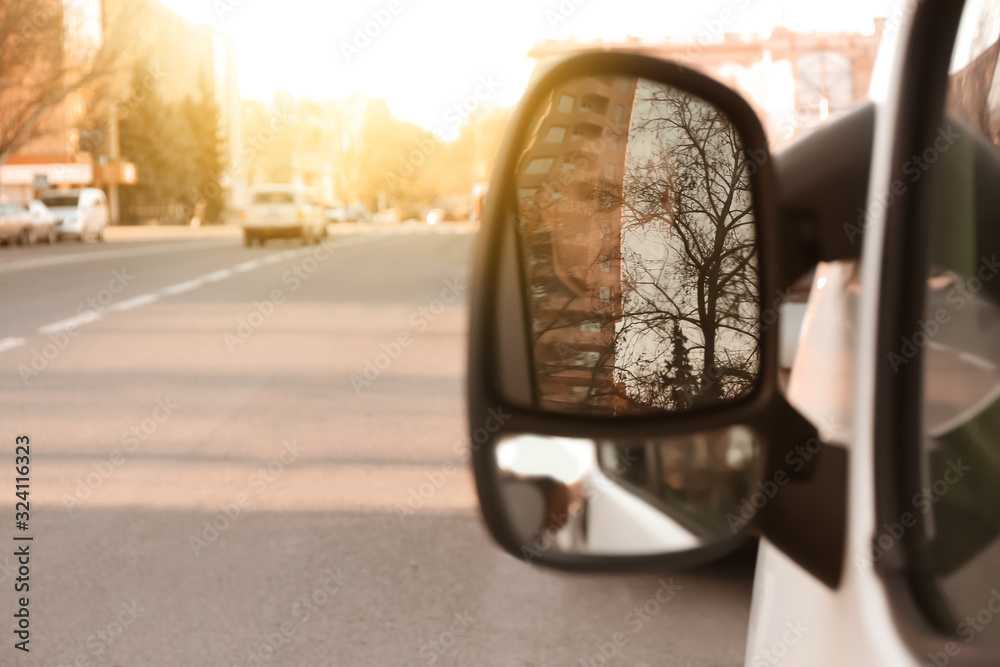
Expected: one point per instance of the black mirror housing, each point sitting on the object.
(500, 377)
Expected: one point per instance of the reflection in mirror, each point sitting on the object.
(588, 497)
(637, 231)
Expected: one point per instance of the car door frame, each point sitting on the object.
(921, 90)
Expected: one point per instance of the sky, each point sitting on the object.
(425, 56)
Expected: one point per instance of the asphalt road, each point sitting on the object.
(215, 480)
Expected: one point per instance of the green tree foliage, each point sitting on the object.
(376, 158)
(203, 117)
(679, 379)
(177, 149)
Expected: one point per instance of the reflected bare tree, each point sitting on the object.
(677, 324)
(690, 323)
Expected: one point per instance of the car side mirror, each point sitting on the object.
(624, 322)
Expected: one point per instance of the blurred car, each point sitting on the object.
(410, 213)
(43, 222)
(386, 217)
(15, 223)
(435, 215)
(79, 213)
(336, 212)
(357, 212)
(283, 210)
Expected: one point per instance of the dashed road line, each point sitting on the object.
(185, 286)
(247, 266)
(91, 316)
(216, 276)
(11, 343)
(88, 256)
(135, 302)
(70, 322)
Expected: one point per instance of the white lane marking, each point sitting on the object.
(136, 302)
(967, 357)
(247, 266)
(180, 288)
(59, 260)
(351, 240)
(11, 343)
(216, 276)
(424, 231)
(977, 361)
(966, 415)
(253, 264)
(70, 322)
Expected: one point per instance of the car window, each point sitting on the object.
(273, 198)
(958, 501)
(61, 201)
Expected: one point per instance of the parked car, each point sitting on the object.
(283, 211)
(80, 213)
(357, 212)
(435, 215)
(625, 403)
(388, 216)
(15, 224)
(43, 222)
(336, 213)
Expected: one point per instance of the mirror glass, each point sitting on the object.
(637, 239)
(615, 498)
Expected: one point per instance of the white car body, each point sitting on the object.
(80, 213)
(283, 211)
(14, 221)
(795, 619)
(43, 221)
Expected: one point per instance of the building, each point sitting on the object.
(227, 94)
(183, 60)
(55, 159)
(793, 80)
(569, 187)
(80, 147)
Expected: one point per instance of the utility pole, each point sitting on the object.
(114, 158)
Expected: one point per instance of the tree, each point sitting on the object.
(690, 191)
(203, 118)
(656, 266)
(679, 379)
(159, 138)
(51, 50)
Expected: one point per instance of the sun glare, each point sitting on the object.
(424, 58)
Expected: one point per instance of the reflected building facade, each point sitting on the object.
(569, 190)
